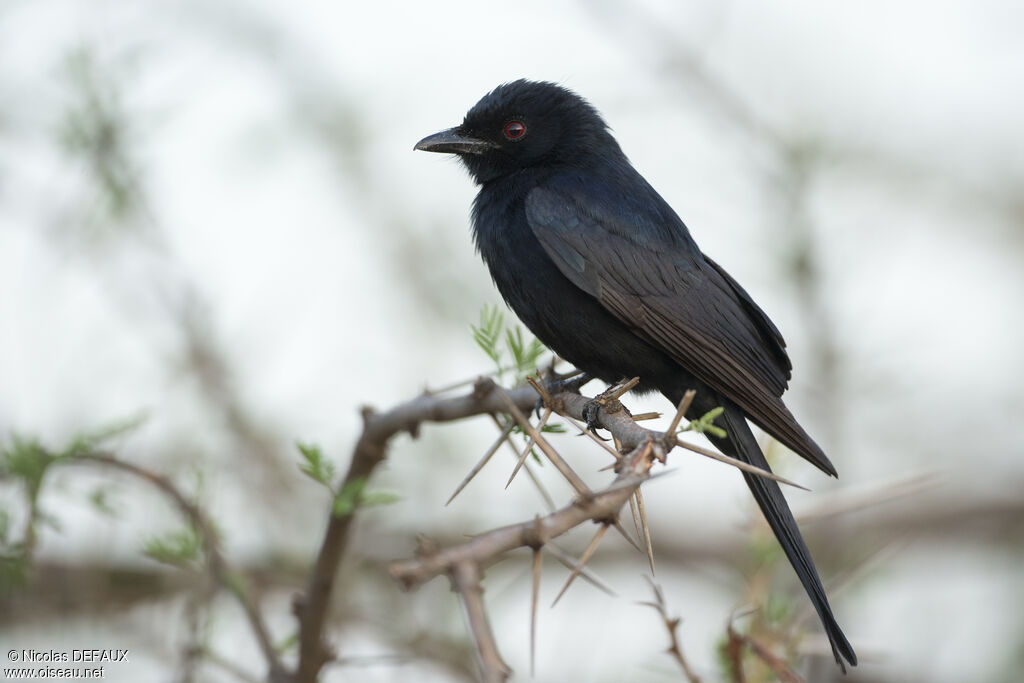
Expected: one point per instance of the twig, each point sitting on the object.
(487, 548)
(228, 666)
(671, 625)
(538, 560)
(218, 566)
(643, 447)
(466, 581)
(369, 452)
(737, 640)
(484, 549)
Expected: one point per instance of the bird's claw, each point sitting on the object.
(609, 401)
(559, 386)
(591, 413)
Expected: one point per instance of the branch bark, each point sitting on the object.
(370, 450)
(217, 564)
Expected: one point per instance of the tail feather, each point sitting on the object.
(742, 444)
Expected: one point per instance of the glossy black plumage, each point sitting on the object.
(603, 271)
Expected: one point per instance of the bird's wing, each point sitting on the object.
(654, 279)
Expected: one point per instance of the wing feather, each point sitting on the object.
(681, 301)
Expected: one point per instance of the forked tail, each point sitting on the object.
(742, 444)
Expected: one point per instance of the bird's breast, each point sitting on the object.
(569, 321)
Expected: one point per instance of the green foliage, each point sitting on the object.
(100, 500)
(93, 131)
(27, 460)
(316, 466)
(777, 610)
(89, 441)
(705, 424)
(489, 336)
(346, 500)
(725, 663)
(354, 495)
(350, 495)
(13, 558)
(178, 548)
(289, 642)
(373, 498)
(237, 584)
(14, 568)
(549, 428)
(524, 355)
(5, 526)
(765, 551)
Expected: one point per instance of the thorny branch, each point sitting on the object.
(671, 625)
(370, 450)
(639, 448)
(464, 564)
(466, 580)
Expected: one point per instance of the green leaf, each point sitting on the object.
(514, 342)
(549, 428)
(354, 495)
(5, 526)
(14, 570)
(236, 583)
(705, 424)
(89, 441)
(776, 609)
(533, 352)
(101, 501)
(347, 499)
(524, 355)
(492, 321)
(316, 466)
(26, 459)
(177, 548)
(288, 642)
(379, 498)
(492, 330)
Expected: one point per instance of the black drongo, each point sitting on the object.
(603, 271)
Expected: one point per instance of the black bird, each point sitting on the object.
(603, 271)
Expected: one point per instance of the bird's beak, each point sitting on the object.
(451, 141)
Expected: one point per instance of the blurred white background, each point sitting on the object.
(211, 215)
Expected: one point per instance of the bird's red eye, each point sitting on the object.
(515, 130)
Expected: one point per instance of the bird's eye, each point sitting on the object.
(515, 130)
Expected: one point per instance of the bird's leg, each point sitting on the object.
(609, 401)
(572, 382)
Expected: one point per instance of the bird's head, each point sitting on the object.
(525, 124)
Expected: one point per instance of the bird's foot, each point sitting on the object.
(607, 400)
(564, 383)
(591, 410)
